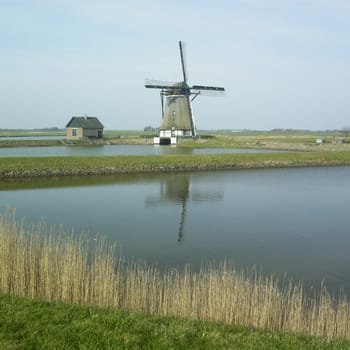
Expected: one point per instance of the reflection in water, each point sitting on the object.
(177, 189)
(292, 221)
(75, 181)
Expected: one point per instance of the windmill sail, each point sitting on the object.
(177, 115)
(187, 115)
(183, 62)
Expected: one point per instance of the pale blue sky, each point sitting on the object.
(284, 64)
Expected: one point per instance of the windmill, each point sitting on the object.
(176, 100)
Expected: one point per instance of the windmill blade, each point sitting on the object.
(193, 125)
(151, 86)
(197, 90)
(162, 102)
(207, 93)
(158, 84)
(182, 49)
(210, 88)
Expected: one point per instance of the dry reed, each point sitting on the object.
(39, 262)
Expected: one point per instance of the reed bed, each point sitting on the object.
(40, 262)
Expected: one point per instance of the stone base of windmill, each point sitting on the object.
(164, 140)
(166, 137)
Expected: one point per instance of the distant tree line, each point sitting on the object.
(36, 129)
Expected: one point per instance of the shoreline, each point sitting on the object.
(19, 173)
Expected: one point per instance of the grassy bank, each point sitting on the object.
(60, 166)
(41, 263)
(29, 143)
(28, 324)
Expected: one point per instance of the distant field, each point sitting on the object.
(29, 133)
(289, 140)
(313, 154)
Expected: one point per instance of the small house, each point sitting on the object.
(321, 140)
(79, 128)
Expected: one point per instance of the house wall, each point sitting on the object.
(93, 133)
(80, 133)
(70, 134)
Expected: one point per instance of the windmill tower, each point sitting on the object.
(176, 101)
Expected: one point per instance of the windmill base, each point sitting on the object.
(164, 140)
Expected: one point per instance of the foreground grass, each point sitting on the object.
(29, 324)
(86, 165)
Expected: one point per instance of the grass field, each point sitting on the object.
(28, 324)
(288, 140)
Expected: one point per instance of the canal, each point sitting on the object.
(283, 221)
(115, 150)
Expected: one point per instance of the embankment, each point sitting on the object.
(114, 165)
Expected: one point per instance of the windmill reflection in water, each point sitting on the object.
(178, 190)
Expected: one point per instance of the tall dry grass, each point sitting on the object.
(38, 262)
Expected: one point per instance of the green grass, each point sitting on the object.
(138, 163)
(261, 139)
(29, 324)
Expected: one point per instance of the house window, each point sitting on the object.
(74, 132)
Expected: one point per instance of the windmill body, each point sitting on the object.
(177, 116)
(176, 102)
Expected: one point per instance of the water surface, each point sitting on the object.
(292, 221)
(113, 150)
(31, 138)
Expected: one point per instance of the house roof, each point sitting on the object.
(85, 122)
